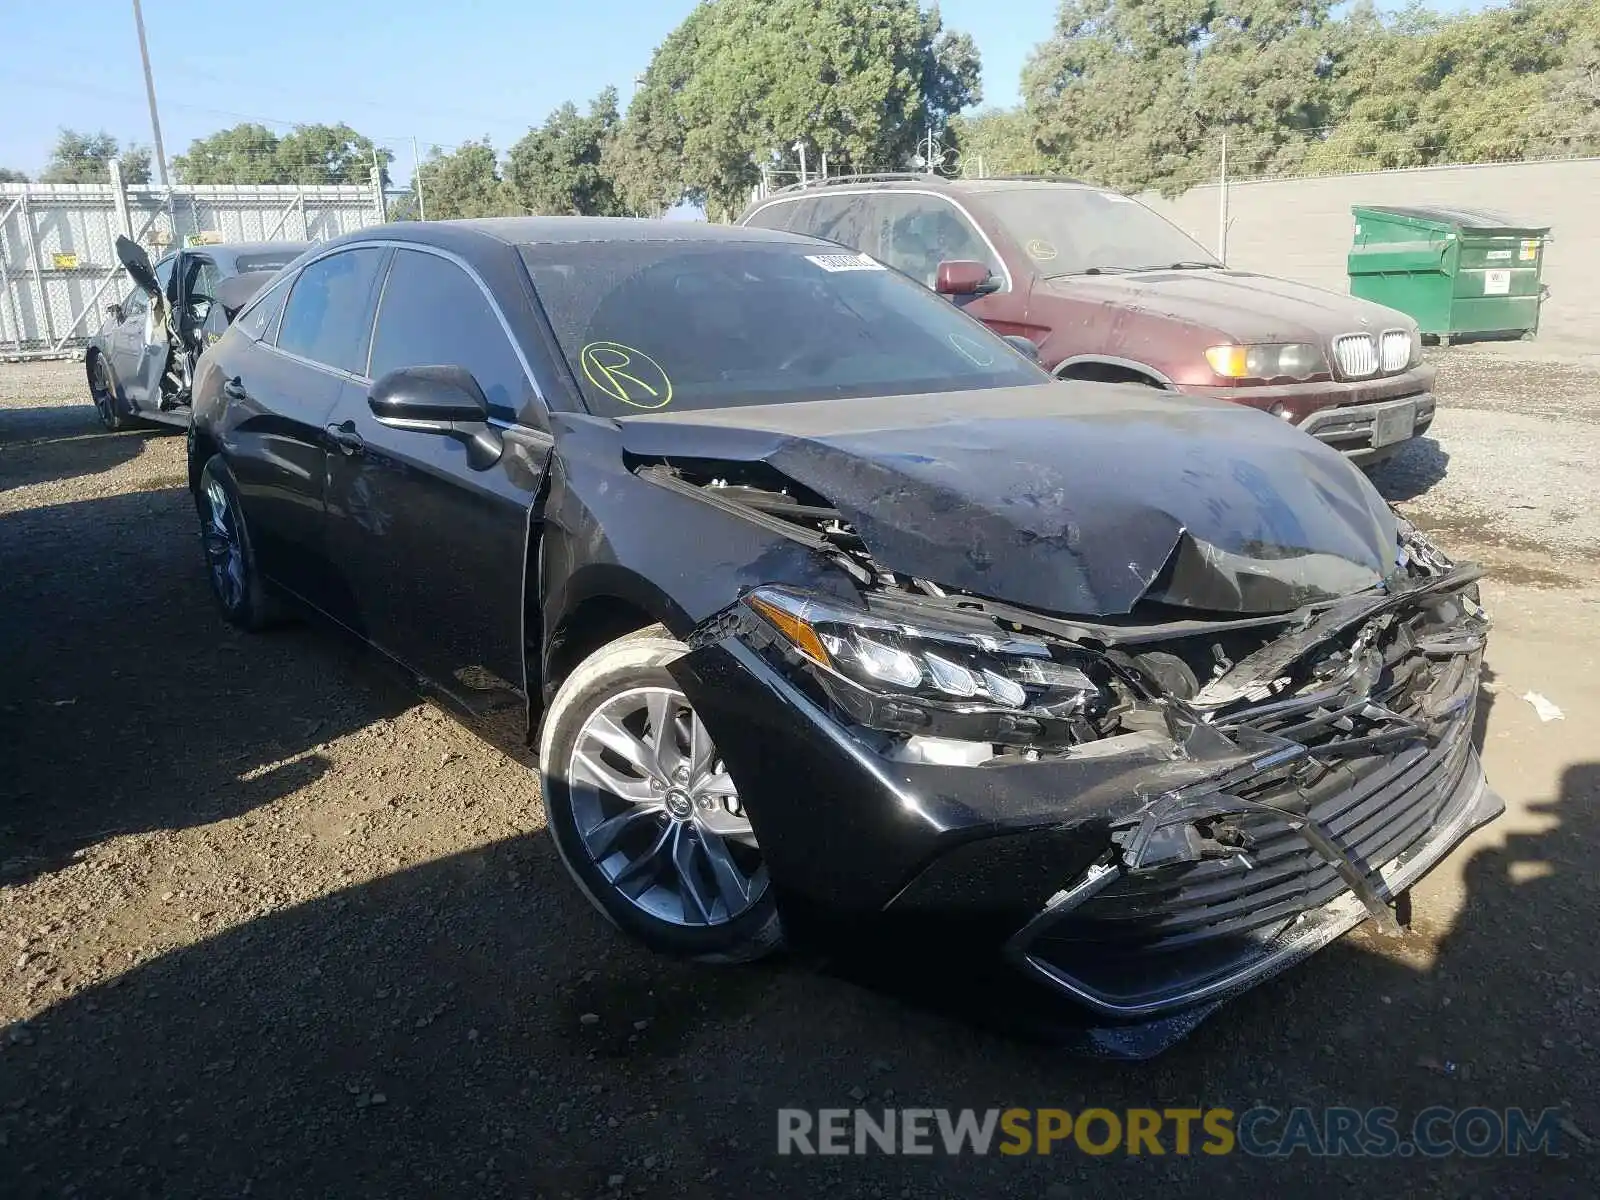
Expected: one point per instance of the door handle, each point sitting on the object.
(345, 437)
(233, 389)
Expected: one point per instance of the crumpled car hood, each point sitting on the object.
(1072, 498)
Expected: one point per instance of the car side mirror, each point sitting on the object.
(114, 311)
(1026, 347)
(439, 399)
(964, 277)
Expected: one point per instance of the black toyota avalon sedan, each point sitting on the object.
(826, 611)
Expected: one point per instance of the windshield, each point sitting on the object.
(1071, 230)
(699, 324)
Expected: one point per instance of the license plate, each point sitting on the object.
(1393, 425)
(1496, 283)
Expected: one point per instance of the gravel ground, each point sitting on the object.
(276, 928)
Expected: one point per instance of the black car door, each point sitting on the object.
(281, 393)
(432, 546)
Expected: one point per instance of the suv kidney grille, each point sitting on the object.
(1396, 349)
(1357, 355)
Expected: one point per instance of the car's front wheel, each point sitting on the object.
(643, 811)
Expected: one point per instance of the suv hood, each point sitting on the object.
(1240, 306)
(1071, 498)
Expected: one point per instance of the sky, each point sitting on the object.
(392, 69)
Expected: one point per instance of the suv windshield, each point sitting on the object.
(696, 324)
(1072, 230)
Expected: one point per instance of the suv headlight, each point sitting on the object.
(921, 679)
(1292, 360)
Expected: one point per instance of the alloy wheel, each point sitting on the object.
(658, 813)
(100, 391)
(224, 547)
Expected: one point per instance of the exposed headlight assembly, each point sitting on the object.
(1291, 360)
(909, 678)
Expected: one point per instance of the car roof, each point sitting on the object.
(523, 231)
(473, 233)
(909, 181)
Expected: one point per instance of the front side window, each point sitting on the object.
(163, 271)
(919, 232)
(329, 313)
(656, 325)
(434, 314)
(203, 280)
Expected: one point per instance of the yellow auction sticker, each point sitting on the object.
(626, 374)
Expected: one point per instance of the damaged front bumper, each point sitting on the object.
(1143, 877)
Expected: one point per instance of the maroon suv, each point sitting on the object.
(1109, 290)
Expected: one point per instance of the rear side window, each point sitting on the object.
(434, 314)
(329, 313)
(258, 317)
(843, 219)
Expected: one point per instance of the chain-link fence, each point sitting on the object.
(58, 262)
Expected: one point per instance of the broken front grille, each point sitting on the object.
(1151, 938)
(1374, 818)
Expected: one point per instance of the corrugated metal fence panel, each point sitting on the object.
(58, 263)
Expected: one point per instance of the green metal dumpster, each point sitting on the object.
(1457, 271)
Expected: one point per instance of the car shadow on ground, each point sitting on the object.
(42, 445)
(126, 704)
(1417, 466)
(469, 1027)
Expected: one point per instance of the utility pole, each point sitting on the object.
(800, 149)
(1222, 203)
(416, 180)
(150, 91)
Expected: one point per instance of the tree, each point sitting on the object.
(319, 154)
(308, 154)
(1139, 93)
(83, 158)
(741, 81)
(247, 153)
(560, 168)
(465, 183)
(998, 141)
(9, 176)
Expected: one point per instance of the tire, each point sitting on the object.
(103, 390)
(231, 569)
(651, 828)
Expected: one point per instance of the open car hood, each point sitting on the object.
(137, 263)
(1072, 498)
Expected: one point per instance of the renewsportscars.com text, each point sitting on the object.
(1262, 1132)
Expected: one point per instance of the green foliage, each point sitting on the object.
(741, 81)
(7, 175)
(1138, 93)
(83, 158)
(465, 183)
(308, 154)
(559, 167)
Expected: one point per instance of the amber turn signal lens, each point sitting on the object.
(800, 635)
